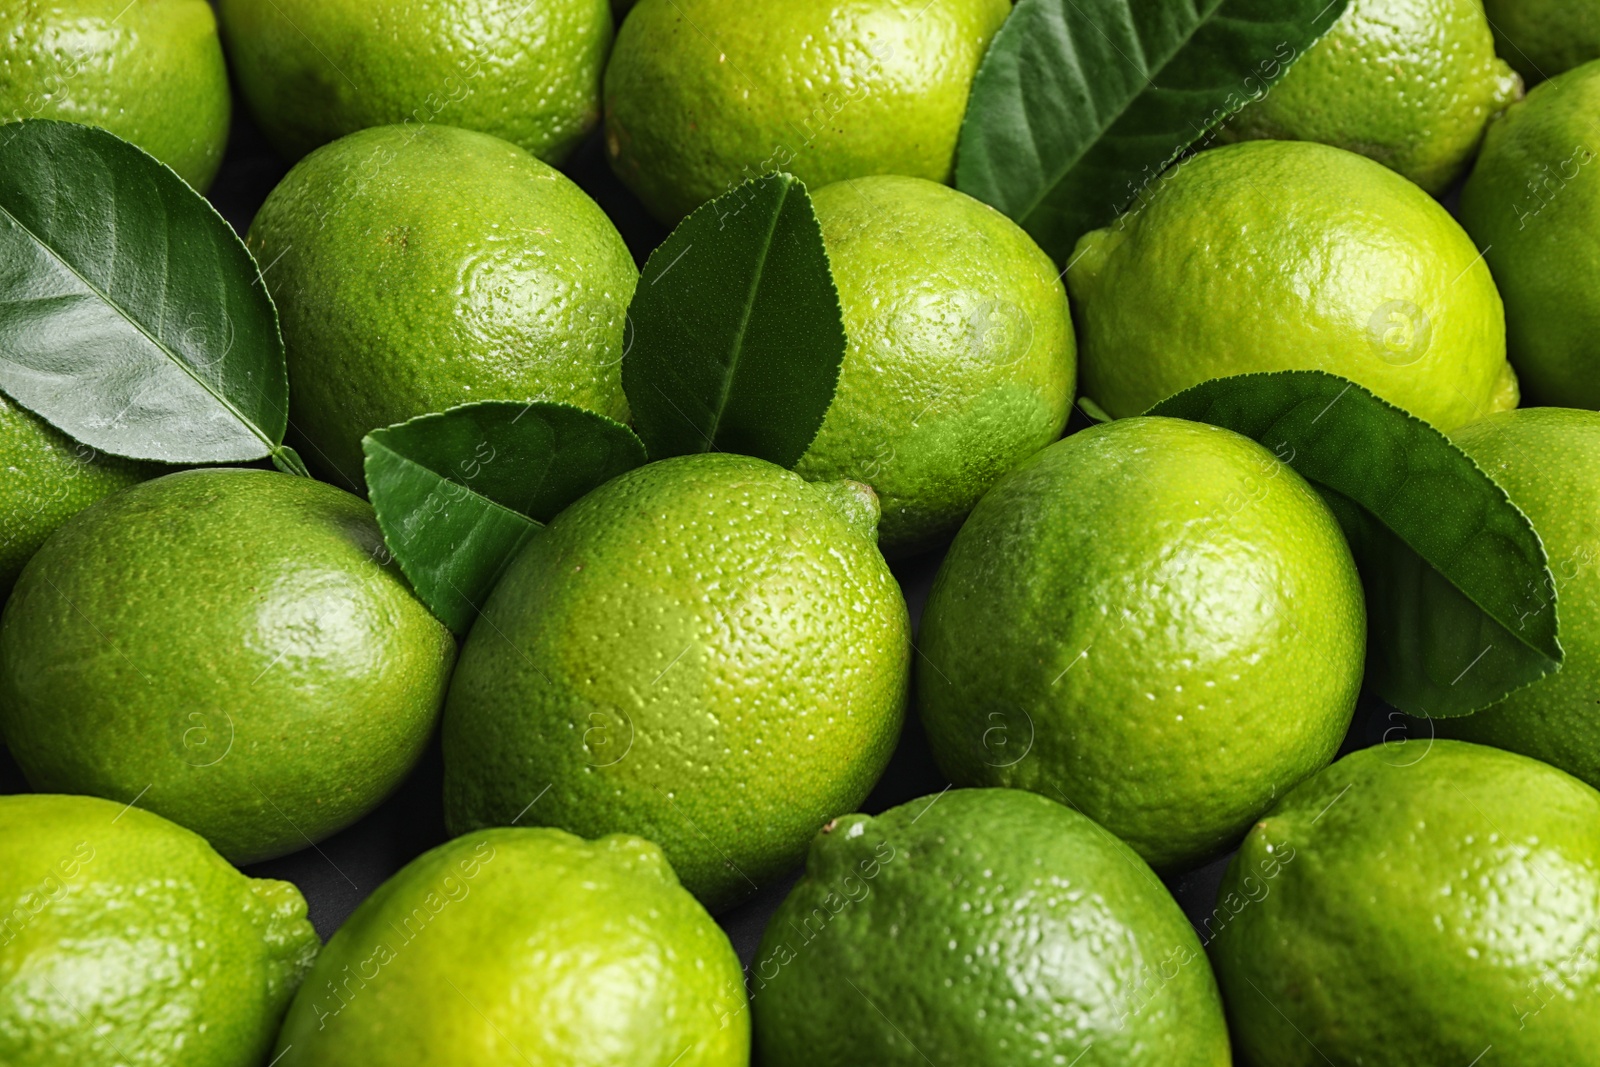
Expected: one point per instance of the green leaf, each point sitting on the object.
(131, 316)
(288, 461)
(458, 493)
(738, 334)
(1079, 105)
(1460, 598)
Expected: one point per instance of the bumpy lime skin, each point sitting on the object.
(1548, 461)
(961, 359)
(1417, 903)
(1154, 621)
(1533, 206)
(1409, 83)
(982, 927)
(224, 646)
(1285, 255)
(701, 95)
(417, 268)
(315, 71)
(150, 72)
(705, 652)
(48, 478)
(1542, 39)
(125, 939)
(525, 946)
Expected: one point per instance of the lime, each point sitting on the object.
(313, 71)
(1457, 881)
(49, 477)
(961, 358)
(1154, 621)
(982, 927)
(125, 939)
(1409, 83)
(151, 73)
(1548, 461)
(1533, 205)
(706, 651)
(417, 268)
(224, 648)
(1542, 39)
(701, 95)
(1287, 255)
(525, 947)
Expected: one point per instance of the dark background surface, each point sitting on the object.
(337, 874)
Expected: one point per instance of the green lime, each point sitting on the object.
(961, 360)
(1409, 83)
(1548, 461)
(224, 647)
(417, 268)
(702, 95)
(706, 651)
(1288, 255)
(313, 71)
(1533, 206)
(525, 946)
(982, 927)
(1542, 39)
(49, 477)
(1154, 621)
(125, 940)
(151, 73)
(1430, 902)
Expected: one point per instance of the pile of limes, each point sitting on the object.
(1145, 663)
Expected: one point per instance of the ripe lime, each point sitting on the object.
(1154, 621)
(525, 947)
(1548, 461)
(49, 477)
(1542, 39)
(1459, 881)
(125, 939)
(961, 360)
(1409, 83)
(313, 71)
(1282, 255)
(705, 651)
(417, 268)
(701, 95)
(1533, 206)
(151, 73)
(223, 647)
(982, 926)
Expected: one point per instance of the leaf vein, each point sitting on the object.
(725, 389)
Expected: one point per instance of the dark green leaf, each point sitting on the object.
(1460, 598)
(738, 335)
(450, 542)
(131, 315)
(457, 493)
(1080, 104)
